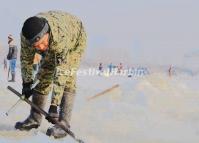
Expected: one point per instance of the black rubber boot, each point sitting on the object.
(35, 118)
(27, 125)
(57, 132)
(66, 107)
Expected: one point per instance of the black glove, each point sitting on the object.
(51, 119)
(52, 116)
(26, 90)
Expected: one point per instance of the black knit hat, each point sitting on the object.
(34, 28)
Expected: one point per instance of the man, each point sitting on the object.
(100, 68)
(12, 57)
(61, 40)
(110, 67)
(120, 68)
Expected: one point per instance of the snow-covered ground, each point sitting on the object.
(150, 109)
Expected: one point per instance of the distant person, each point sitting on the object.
(170, 71)
(120, 68)
(100, 68)
(12, 57)
(110, 67)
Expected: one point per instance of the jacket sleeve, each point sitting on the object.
(26, 57)
(9, 53)
(62, 72)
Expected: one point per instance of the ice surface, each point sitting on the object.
(150, 109)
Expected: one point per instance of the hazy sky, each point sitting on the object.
(144, 32)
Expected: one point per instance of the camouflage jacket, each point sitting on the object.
(64, 33)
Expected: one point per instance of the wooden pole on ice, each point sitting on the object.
(103, 92)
